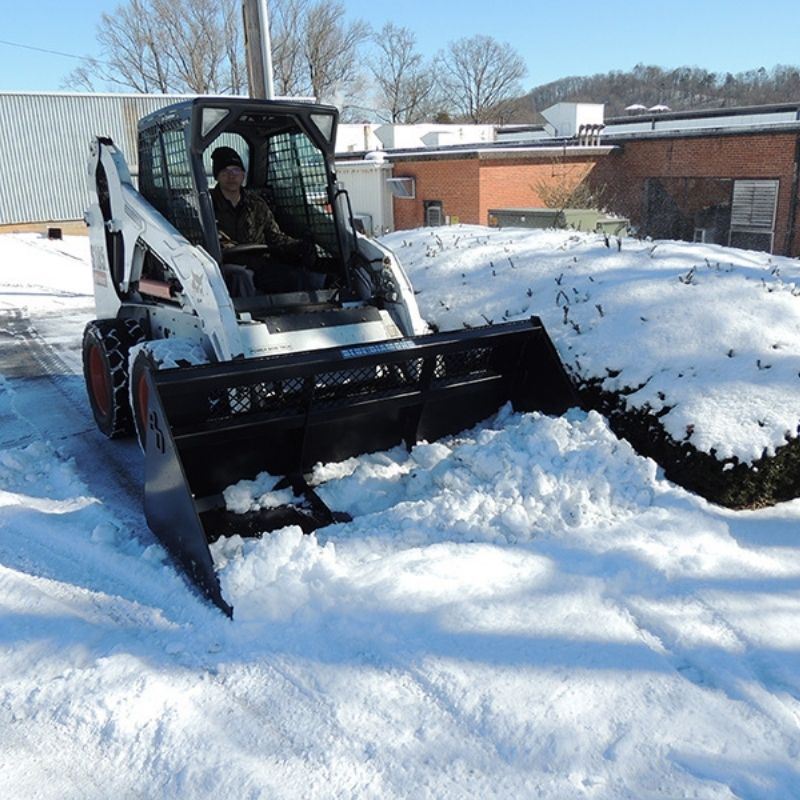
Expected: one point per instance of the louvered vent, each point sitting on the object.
(754, 205)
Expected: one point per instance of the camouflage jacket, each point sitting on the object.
(251, 222)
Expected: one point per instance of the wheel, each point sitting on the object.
(106, 344)
(142, 361)
(152, 356)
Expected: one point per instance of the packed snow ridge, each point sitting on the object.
(710, 333)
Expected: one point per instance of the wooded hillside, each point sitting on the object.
(681, 89)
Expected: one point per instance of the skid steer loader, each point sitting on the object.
(219, 388)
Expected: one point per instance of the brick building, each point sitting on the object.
(462, 185)
(727, 186)
(729, 176)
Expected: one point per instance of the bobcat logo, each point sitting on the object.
(198, 284)
(160, 441)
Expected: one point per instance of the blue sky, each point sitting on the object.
(572, 37)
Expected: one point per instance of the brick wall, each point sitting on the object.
(469, 186)
(728, 156)
(522, 183)
(454, 181)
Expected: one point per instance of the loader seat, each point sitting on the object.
(238, 280)
(280, 302)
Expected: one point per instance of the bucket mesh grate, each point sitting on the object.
(337, 388)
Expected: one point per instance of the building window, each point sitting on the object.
(404, 188)
(692, 209)
(434, 215)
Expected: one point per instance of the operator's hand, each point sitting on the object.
(308, 253)
(225, 241)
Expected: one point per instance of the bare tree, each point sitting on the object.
(314, 49)
(197, 46)
(479, 73)
(331, 49)
(568, 186)
(286, 20)
(133, 52)
(234, 47)
(405, 83)
(194, 31)
(168, 46)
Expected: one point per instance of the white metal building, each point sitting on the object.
(44, 148)
(367, 184)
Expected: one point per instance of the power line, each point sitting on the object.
(42, 50)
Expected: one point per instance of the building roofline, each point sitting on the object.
(15, 93)
(695, 133)
(488, 154)
(700, 113)
(486, 151)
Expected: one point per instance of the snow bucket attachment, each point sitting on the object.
(211, 426)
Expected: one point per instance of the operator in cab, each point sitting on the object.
(243, 217)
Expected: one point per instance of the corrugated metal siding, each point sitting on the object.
(44, 146)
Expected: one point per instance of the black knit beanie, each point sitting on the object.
(224, 157)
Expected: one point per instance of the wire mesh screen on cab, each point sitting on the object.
(165, 177)
(298, 188)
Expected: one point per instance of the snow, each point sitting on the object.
(711, 333)
(527, 609)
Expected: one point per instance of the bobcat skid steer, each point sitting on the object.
(220, 388)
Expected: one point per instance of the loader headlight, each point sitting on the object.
(388, 286)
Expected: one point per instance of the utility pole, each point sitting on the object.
(258, 49)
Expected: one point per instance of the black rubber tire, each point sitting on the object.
(151, 357)
(106, 344)
(143, 361)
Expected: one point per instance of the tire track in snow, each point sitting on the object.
(747, 671)
(50, 399)
(46, 401)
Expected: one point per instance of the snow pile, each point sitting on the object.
(603, 633)
(710, 333)
(524, 478)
